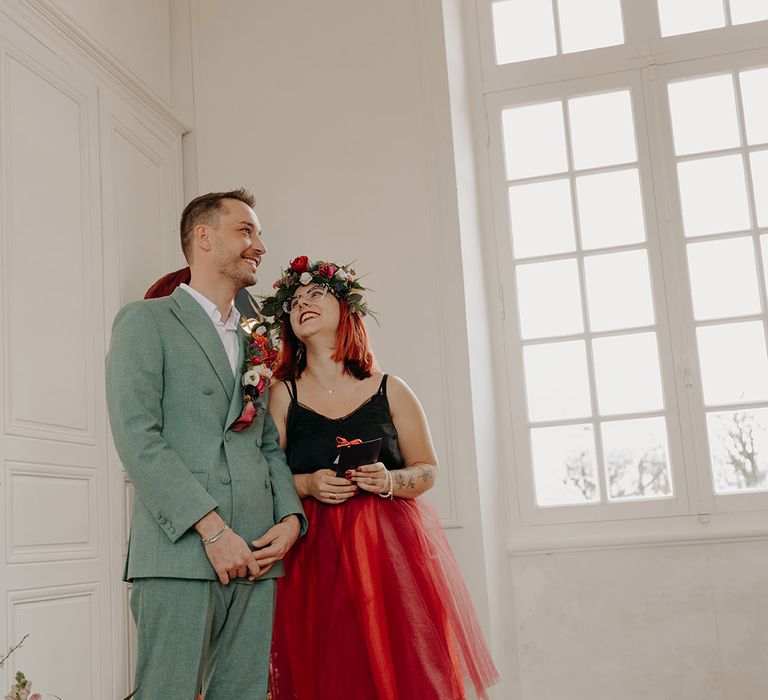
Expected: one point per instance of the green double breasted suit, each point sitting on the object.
(172, 397)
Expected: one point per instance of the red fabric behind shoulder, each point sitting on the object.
(165, 285)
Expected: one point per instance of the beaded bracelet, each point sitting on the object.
(390, 494)
(216, 536)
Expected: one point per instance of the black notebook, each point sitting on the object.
(355, 455)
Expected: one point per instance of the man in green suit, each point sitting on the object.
(206, 495)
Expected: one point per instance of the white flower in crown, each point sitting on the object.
(342, 274)
(264, 371)
(305, 278)
(251, 377)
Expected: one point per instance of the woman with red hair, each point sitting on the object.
(372, 606)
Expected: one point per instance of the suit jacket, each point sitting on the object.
(171, 397)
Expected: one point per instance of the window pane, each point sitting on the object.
(745, 11)
(759, 163)
(610, 209)
(627, 374)
(542, 218)
(685, 16)
(738, 443)
(564, 465)
(704, 114)
(723, 278)
(556, 380)
(713, 195)
(618, 290)
(534, 138)
(637, 458)
(754, 88)
(734, 367)
(549, 299)
(602, 130)
(523, 29)
(590, 24)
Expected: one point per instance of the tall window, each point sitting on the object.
(628, 148)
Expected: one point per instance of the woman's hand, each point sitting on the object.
(370, 477)
(325, 486)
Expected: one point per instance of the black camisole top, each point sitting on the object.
(311, 436)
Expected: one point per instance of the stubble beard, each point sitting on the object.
(234, 272)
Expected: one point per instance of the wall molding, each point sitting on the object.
(109, 67)
(635, 541)
(67, 550)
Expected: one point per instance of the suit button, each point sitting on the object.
(207, 392)
(228, 437)
(225, 479)
(258, 442)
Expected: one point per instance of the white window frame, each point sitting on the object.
(644, 66)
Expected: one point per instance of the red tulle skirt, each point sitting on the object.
(373, 607)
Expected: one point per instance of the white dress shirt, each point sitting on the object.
(227, 330)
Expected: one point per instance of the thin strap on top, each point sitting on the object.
(292, 392)
(383, 386)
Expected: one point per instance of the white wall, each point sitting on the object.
(135, 32)
(647, 623)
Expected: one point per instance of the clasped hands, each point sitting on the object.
(232, 558)
(326, 487)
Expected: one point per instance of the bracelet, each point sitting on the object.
(390, 494)
(216, 536)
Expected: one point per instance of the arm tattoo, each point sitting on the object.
(425, 474)
(399, 480)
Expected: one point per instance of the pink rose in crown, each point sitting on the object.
(327, 270)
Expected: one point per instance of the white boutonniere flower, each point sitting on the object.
(251, 377)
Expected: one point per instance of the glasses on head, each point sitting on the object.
(315, 293)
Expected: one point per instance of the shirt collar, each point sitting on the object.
(213, 312)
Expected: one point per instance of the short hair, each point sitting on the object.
(352, 348)
(206, 209)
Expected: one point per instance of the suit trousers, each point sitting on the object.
(195, 634)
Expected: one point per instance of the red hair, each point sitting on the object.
(352, 348)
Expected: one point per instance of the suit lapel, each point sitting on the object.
(236, 405)
(196, 321)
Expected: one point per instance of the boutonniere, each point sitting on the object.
(260, 359)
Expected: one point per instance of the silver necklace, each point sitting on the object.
(325, 388)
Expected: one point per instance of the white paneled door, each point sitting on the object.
(89, 198)
(55, 532)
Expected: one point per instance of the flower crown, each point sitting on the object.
(342, 281)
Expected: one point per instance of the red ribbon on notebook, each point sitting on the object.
(342, 442)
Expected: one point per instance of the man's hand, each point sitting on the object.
(229, 555)
(274, 544)
(231, 558)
